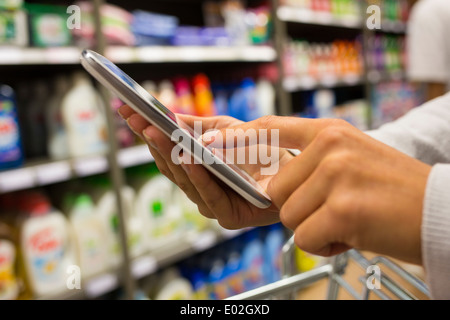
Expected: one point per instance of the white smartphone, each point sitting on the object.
(158, 115)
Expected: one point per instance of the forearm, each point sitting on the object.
(423, 133)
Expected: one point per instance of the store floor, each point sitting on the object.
(318, 291)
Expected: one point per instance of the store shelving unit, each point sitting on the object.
(127, 55)
(45, 172)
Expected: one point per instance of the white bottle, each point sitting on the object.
(90, 234)
(160, 214)
(84, 118)
(56, 132)
(265, 95)
(47, 246)
(106, 206)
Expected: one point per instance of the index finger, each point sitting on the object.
(293, 132)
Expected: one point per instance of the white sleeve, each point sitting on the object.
(426, 40)
(423, 133)
(436, 232)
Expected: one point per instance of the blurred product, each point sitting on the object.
(11, 153)
(391, 100)
(151, 28)
(273, 245)
(203, 97)
(9, 283)
(46, 244)
(234, 15)
(320, 61)
(84, 119)
(13, 28)
(90, 233)
(387, 54)
(172, 286)
(57, 142)
(265, 95)
(103, 196)
(160, 216)
(167, 95)
(253, 260)
(335, 8)
(11, 4)
(243, 102)
(185, 98)
(48, 25)
(116, 24)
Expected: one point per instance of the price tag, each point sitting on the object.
(62, 55)
(90, 166)
(144, 266)
(100, 285)
(53, 172)
(17, 179)
(11, 55)
(121, 54)
(152, 54)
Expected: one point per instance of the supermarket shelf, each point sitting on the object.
(154, 54)
(45, 173)
(394, 27)
(375, 76)
(306, 16)
(293, 84)
(148, 264)
(159, 54)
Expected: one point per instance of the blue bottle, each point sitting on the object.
(11, 153)
(243, 102)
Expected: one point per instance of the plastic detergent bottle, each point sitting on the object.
(159, 214)
(89, 233)
(84, 119)
(203, 96)
(9, 284)
(11, 153)
(273, 245)
(46, 245)
(106, 206)
(265, 95)
(56, 132)
(243, 103)
(185, 99)
(172, 286)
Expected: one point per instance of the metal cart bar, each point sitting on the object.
(334, 270)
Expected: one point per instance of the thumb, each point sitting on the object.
(291, 132)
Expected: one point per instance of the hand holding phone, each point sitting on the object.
(153, 112)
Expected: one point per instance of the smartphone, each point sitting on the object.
(141, 101)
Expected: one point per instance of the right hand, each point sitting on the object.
(214, 199)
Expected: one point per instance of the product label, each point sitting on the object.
(9, 288)
(46, 252)
(9, 134)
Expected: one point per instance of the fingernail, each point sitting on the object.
(209, 136)
(149, 140)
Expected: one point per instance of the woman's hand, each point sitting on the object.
(213, 198)
(345, 190)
